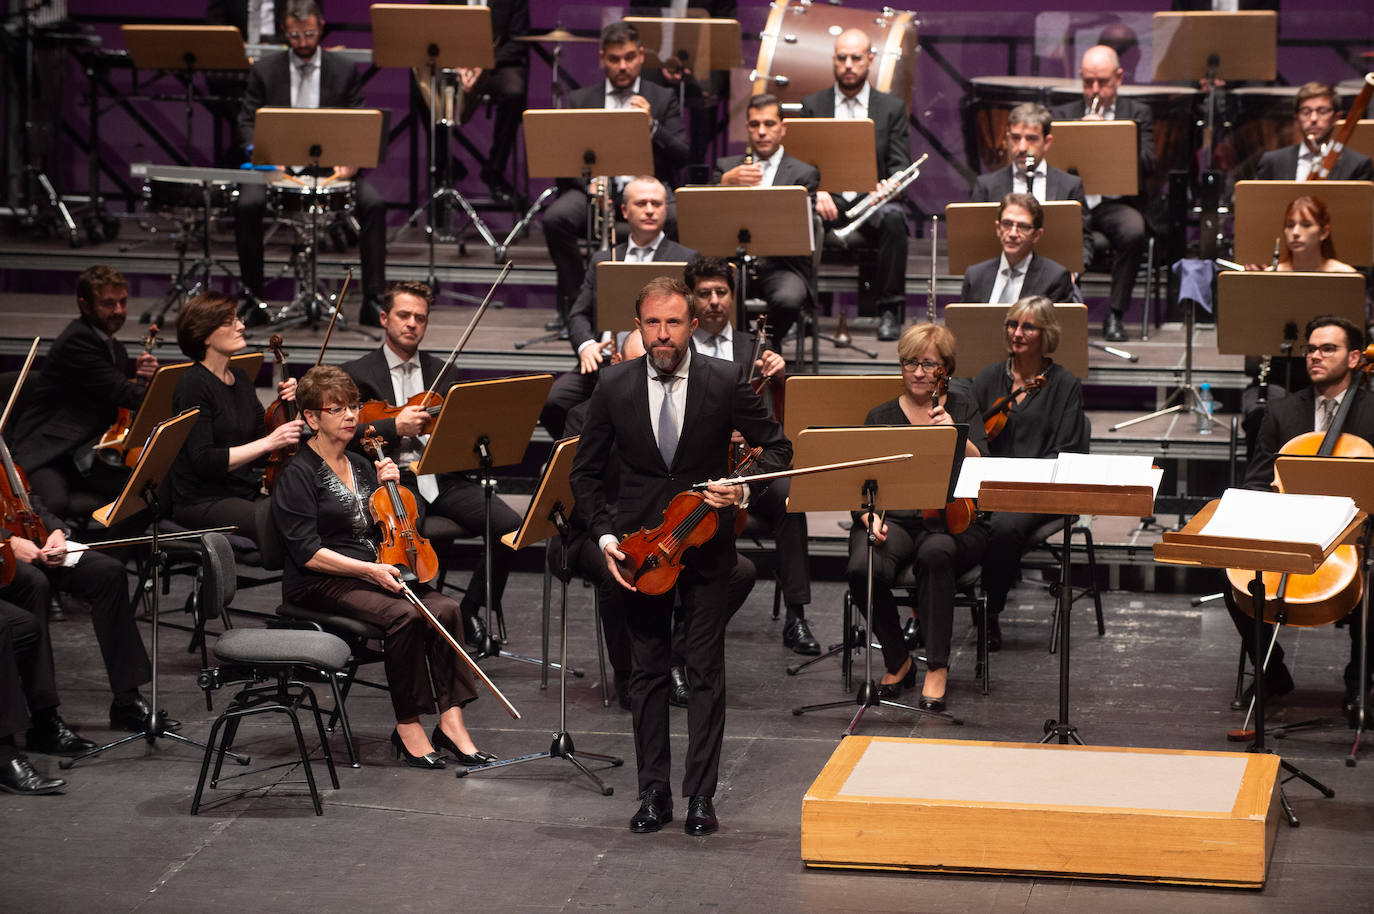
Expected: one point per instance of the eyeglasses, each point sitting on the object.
(1024, 326)
(1025, 228)
(929, 366)
(297, 36)
(336, 410)
(1326, 349)
(1324, 111)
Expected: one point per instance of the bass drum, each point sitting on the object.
(798, 44)
(1263, 121)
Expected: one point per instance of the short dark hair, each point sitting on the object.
(408, 287)
(301, 10)
(1316, 89)
(323, 384)
(97, 277)
(1354, 336)
(1026, 202)
(200, 317)
(666, 287)
(1032, 114)
(704, 267)
(764, 100)
(619, 33)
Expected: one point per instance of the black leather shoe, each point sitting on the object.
(430, 761)
(889, 328)
(931, 704)
(441, 741)
(911, 633)
(475, 634)
(1113, 330)
(678, 689)
(501, 189)
(556, 324)
(655, 811)
(893, 690)
(19, 776)
(134, 716)
(798, 637)
(701, 817)
(50, 735)
(994, 632)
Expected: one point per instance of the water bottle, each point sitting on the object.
(1205, 407)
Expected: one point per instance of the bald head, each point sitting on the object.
(1101, 75)
(853, 55)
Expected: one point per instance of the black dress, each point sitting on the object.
(205, 492)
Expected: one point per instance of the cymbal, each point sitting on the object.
(558, 36)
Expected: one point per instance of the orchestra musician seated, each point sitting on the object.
(1307, 246)
(216, 477)
(1316, 108)
(904, 537)
(1043, 407)
(320, 505)
(1018, 271)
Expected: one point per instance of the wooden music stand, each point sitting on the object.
(745, 222)
(829, 143)
(697, 43)
(459, 36)
(1362, 140)
(922, 482)
(547, 517)
(1192, 546)
(617, 286)
(981, 333)
(1103, 153)
(1265, 313)
(972, 239)
(1260, 206)
(572, 142)
(1066, 499)
(1230, 46)
(834, 400)
(318, 137)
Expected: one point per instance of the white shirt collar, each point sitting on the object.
(679, 372)
(727, 333)
(394, 361)
(632, 90)
(301, 64)
(1021, 267)
(651, 246)
(861, 98)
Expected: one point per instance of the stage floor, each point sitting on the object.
(539, 838)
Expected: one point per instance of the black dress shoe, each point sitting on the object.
(994, 632)
(50, 735)
(556, 324)
(655, 811)
(889, 328)
(893, 690)
(501, 190)
(133, 716)
(430, 761)
(1113, 330)
(701, 817)
(18, 776)
(678, 689)
(475, 634)
(931, 704)
(440, 741)
(798, 637)
(911, 633)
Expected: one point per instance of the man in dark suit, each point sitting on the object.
(853, 98)
(783, 282)
(86, 378)
(306, 77)
(712, 281)
(1119, 220)
(565, 219)
(1027, 139)
(1315, 114)
(1333, 351)
(645, 210)
(394, 373)
(28, 695)
(666, 421)
(1018, 272)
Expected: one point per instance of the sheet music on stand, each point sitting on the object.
(1281, 517)
(1070, 468)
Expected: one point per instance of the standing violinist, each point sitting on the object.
(86, 377)
(396, 373)
(666, 422)
(1333, 352)
(1044, 415)
(214, 478)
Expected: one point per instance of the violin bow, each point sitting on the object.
(19, 384)
(802, 471)
(338, 304)
(472, 325)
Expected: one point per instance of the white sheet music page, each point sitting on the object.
(1281, 517)
(1108, 470)
(1001, 469)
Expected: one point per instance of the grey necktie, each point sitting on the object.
(1328, 410)
(667, 423)
(307, 96)
(1006, 297)
(718, 345)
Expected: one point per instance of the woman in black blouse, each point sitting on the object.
(905, 536)
(214, 482)
(1040, 423)
(320, 505)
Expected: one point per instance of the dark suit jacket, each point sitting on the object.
(1282, 165)
(1126, 108)
(790, 172)
(373, 377)
(269, 85)
(669, 140)
(1059, 185)
(890, 132)
(76, 397)
(1043, 277)
(1293, 415)
(618, 435)
(582, 315)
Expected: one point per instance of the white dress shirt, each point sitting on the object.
(1014, 281)
(407, 380)
(770, 167)
(1317, 402)
(636, 254)
(1039, 181)
(717, 345)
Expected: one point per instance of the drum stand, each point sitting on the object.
(183, 286)
(1190, 403)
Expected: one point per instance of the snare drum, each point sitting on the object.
(798, 44)
(163, 195)
(299, 202)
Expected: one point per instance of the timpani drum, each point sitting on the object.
(798, 43)
(1263, 121)
(988, 104)
(301, 202)
(172, 195)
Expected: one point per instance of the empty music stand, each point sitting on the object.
(482, 425)
(183, 50)
(318, 138)
(743, 223)
(546, 518)
(923, 482)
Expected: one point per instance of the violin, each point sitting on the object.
(376, 410)
(6, 562)
(112, 444)
(393, 508)
(655, 556)
(995, 419)
(959, 513)
(760, 384)
(278, 414)
(1334, 589)
(19, 516)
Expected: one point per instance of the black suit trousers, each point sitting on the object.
(1124, 228)
(885, 231)
(462, 501)
(790, 536)
(508, 89)
(1010, 535)
(27, 681)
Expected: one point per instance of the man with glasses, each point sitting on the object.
(1333, 352)
(1018, 272)
(1315, 114)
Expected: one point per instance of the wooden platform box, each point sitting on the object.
(1094, 812)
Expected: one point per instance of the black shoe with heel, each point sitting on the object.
(441, 741)
(893, 690)
(431, 761)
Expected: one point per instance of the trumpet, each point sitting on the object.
(1096, 106)
(603, 212)
(870, 203)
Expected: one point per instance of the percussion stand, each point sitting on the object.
(200, 270)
